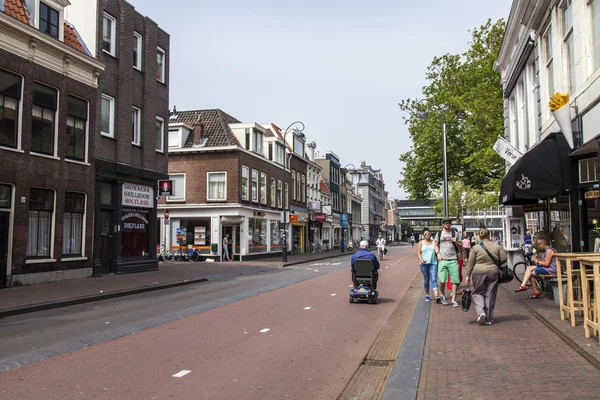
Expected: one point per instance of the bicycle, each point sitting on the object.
(194, 254)
(380, 253)
(182, 253)
(165, 254)
(520, 268)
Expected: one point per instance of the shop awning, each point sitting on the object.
(542, 173)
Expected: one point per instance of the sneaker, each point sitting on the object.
(427, 298)
(454, 304)
(444, 301)
(489, 322)
(481, 318)
(438, 299)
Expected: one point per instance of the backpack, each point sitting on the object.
(454, 235)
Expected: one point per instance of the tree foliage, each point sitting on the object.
(463, 198)
(466, 91)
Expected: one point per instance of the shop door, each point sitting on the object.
(106, 237)
(4, 217)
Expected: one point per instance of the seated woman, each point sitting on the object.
(544, 264)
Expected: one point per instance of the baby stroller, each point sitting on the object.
(364, 277)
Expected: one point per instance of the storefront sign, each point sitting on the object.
(259, 213)
(293, 218)
(138, 195)
(165, 188)
(592, 194)
(533, 207)
(302, 216)
(344, 220)
(133, 220)
(314, 205)
(319, 217)
(507, 151)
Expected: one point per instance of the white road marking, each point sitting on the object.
(264, 330)
(350, 285)
(333, 294)
(316, 270)
(307, 308)
(181, 373)
(107, 323)
(335, 263)
(310, 269)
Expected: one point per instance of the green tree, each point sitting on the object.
(463, 198)
(466, 91)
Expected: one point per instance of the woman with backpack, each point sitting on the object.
(427, 251)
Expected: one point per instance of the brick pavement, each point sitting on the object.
(517, 357)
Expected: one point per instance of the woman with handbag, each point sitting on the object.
(482, 271)
(426, 251)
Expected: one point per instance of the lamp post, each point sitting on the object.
(297, 132)
(425, 115)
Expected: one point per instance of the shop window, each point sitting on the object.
(134, 232)
(275, 236)
(197, 233)
(77, 114)
(43, 119)
(39, 235)
(10, 97)
(73, 224)
(257, 235)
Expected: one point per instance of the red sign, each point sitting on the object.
(293, 218)
(166, 213)
(320, 217)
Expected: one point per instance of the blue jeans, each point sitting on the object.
(429, 275)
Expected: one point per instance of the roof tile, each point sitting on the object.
(16, 9)
(71, 38)
(216, 126)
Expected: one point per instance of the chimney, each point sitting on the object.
(198, 130)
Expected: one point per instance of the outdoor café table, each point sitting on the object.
(572, 305)
(590, 319)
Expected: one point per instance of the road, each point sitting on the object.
(287, 333)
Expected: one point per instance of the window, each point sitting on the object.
(263, 188)
(42, 121)
(258, 142)
(271, 151)
(595, 5)
(39, 235)
(587, 170)
(293, 185)
(303, 188)
(48, 20)
(160, 65)
(107, 124)
(279, 154)
(159, 133)
(10, 97)
(217, 186)
(287, 200)
(569, 43)
(73, 224)
(257, 235)
(245, 176)
(279, 194)
(178, 187)
(273, 204)
(298, 187)
(298, 146)
(77, 114)
(254, 185)
(135, 125)
(109, 34)
(137, 51)
(549, 60)
(135, 233)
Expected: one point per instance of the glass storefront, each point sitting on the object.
(560, 221)
(275, 236)
(195, 232)
(257, 235)
(135, 232)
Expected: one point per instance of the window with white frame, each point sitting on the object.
(10, 98)
(279, 154)
(258, 142)
(217, 186)
(109, 34)
(77, 115)
(161, 57)
(135, 125)
(523, 117)
(159, 133)
(303, 188)
(39, 230)
(279, 194)
(293, 185)
(298, 146)
(595, 10)
(255, 185)
(245, 182)
(569, 43)
(588, 170)
(273, 204)
(48, 22)
(43, 126)
(263, 188)
(178, 187)
(514, 122)
(298, 187)
(73, 224)
(548, 49)
(287, 200)
(137, 51)
(107, 123)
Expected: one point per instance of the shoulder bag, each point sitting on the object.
(505, 275)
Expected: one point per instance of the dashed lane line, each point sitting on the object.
(265, 330)
(181, 373)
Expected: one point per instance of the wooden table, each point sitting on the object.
(590, 312)
(572, 305)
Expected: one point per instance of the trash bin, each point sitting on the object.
(214, 248)
(554, 283)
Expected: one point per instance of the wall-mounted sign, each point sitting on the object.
(137, 195)
(259, 213)
(592, 194)
(165, 188)
(507, 151)
(293, 218)
(314, 205)
(320, 217)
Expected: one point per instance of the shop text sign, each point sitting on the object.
(138, 195)
(592, 194)
(320, 217)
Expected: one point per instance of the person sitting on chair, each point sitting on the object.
(363, 253)
(545, 264)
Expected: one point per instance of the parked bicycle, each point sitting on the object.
(165, 254)
(182, 253)
(520, 268)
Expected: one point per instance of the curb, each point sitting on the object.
(9, 312)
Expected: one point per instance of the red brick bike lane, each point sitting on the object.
(517, 357)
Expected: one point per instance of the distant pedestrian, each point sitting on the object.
(225, 247)
(482, 270)
(427, 251)
(466, 245)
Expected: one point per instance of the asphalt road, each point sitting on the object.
(285, 333)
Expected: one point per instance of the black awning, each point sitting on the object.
(542, 173)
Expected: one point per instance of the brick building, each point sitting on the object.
(131, 122)
(48, 98)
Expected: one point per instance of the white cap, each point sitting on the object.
(364, 243)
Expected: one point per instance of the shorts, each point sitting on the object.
(541, 271)
(448, 268)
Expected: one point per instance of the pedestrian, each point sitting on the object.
(225, 247)
(466, 245)
(448, 255)
(381, 247)
(482, 271)
(426, 251)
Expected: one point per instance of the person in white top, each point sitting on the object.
(225, 247)
(380, 246)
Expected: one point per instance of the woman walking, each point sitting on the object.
(427, 251)
(482, 270)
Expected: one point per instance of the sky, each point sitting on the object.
(338, 66)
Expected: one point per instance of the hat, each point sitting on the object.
(446, 218)
(364, 243)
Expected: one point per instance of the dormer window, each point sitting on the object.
(254, 140)
(298, 146)
(48, 20)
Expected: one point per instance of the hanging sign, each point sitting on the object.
(507, 151)
(592, 194)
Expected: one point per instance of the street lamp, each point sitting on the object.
(299, 134)
(343, 171)
(425, 115)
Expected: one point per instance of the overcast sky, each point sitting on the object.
(339, 66)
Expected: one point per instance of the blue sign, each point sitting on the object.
(344, 219)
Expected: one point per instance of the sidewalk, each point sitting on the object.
(32, 298)
(527, 353)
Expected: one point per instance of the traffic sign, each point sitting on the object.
(166, 213)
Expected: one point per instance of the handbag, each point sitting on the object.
(466, 299)
(505, 275)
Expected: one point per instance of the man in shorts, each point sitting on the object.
(449, 246)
